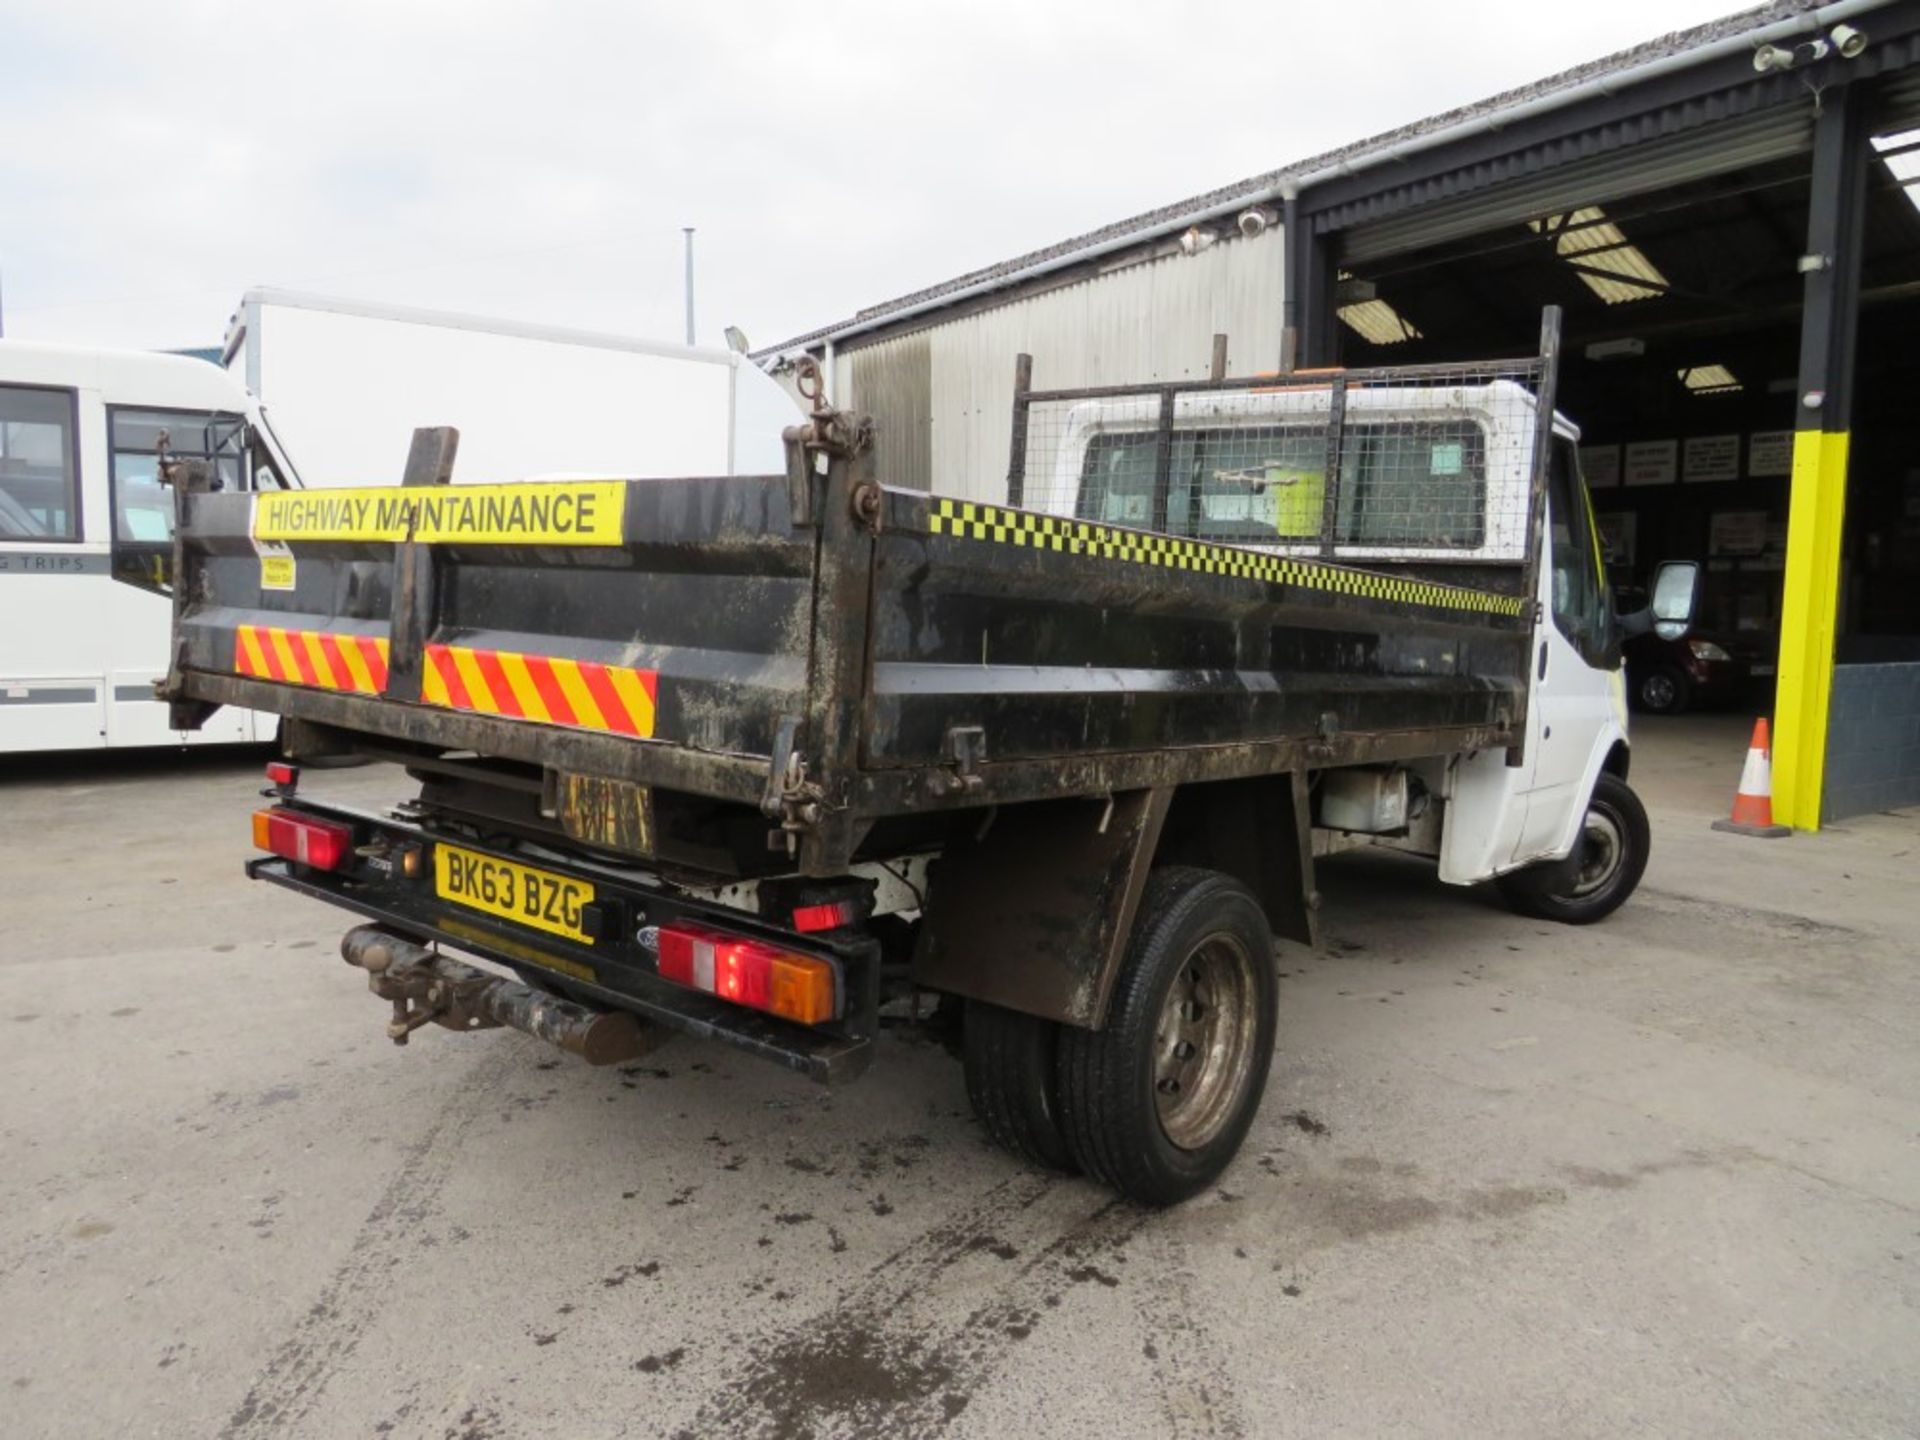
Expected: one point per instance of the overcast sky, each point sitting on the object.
(536, 160)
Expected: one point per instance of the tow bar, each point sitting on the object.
(424, 988)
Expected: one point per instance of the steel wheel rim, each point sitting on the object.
(1657, 691)
(1602, 848)
(1204, 1042)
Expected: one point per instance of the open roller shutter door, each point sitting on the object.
(1542, 181)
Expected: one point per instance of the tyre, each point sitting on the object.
(1608, 859)
(1157, 1101)
(1663, 691)
(1009, 1059)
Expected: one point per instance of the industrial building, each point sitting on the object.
(1730, 217)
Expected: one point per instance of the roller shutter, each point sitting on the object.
(1554, 177)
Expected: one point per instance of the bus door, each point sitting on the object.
(138, 604)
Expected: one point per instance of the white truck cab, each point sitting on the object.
(1437, 480)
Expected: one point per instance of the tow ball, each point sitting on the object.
(427, 988)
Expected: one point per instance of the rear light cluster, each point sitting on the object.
(323, 844)
(749, 972)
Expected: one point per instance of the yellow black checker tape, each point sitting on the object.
(973, 521)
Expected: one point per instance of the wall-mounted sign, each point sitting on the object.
(1601, 465)
(1737, 532)
(1711, 457)
(1770, 452)
(1652, 462)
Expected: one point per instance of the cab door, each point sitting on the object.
(1578, 701)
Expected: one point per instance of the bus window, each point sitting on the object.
(39, 481)
(142, 506)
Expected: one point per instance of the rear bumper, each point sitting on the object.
(613, 971)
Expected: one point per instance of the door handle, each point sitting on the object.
(1543, 659)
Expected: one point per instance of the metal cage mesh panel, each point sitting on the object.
(1410, 464)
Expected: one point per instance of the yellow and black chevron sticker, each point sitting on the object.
(973, 521)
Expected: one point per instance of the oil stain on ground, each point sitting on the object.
(880, 1363)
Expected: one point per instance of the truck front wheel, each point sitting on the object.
(1608, 859)
(1157, 1102)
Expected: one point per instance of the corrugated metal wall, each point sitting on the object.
(943, 397)
(894, 385)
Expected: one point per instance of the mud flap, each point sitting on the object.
(1031, 910)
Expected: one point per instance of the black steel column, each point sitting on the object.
(1307, 292)
(1830, 322)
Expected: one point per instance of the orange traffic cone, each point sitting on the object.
(1753, 802)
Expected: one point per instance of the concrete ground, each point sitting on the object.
(1660, 1176)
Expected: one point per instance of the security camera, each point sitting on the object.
(1847, 40)
(1197, 238)
(1772, 57)
(1809, 51)
(1255, 219)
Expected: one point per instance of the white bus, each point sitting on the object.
(85, 539)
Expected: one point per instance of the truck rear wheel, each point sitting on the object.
(1158, 1101)
(1010, 1065)
(1608, 859)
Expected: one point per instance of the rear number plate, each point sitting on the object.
(520, 893)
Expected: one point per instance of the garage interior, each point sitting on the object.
(1689, 345)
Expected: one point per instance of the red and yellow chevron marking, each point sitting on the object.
(542, 687)
(328, 659)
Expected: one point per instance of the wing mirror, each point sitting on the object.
(1676, 595)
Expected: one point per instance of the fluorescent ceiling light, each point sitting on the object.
(1611, 265)
(1378, 323)
(1905, 165)
(1710, 380)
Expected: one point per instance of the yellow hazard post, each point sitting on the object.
(1808, 619)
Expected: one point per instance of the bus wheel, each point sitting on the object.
(1158, 1100)
(1608, 859)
